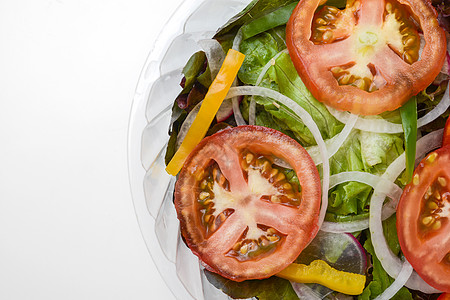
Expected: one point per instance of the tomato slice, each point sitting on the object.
(423, 219)
(446, 138)
(444, 296)
(366, 58)
(238, 211)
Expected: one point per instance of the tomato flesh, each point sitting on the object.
(238, 211)
(423, 223)
(365, 58)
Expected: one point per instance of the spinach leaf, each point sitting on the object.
(265, 289)
(255, 10)
(271, 20)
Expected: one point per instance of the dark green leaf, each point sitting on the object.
(265, 289)
(193, 67)
(381, 279)
(254, 10)
(409, 122)
(271, 20)
(178, 117)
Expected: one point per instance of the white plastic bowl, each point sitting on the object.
(151, 186)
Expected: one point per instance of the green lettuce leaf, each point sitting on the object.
(366, 152)
(283, 78)
(258, 51)
(380, 279)
(265, 289)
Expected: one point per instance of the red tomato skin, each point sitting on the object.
(421, 249)
(446, 138)
(306, 225)
(307, 59)
(444, 296)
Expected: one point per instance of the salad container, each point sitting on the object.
(151, 186)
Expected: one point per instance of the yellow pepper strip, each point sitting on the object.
(320, 272)
(213, 99)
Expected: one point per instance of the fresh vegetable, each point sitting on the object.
(238, 213)
(271, 20)
(444, 296)
(241, 221)
(264, 289)
(409, 122)
(446, 138)
(254, 10)
(213, 99)
(423, 219)
(320, 272)
(380, 280)
(365, 58)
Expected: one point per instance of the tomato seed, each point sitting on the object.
(222, 217)
(237, 246)
(432, 205)
(328, 35)
(389, 7)
(321, 21)
(330, 17)
(287, 186)
(333, 9)
(207, 218)
(416, 180)
(275, 199)
(203, 195)
(437, 195)
(442, 181)
(280, 177)
(427, 220)
(273, 172)
(273, 238)
(271, 230)
(432, 157)
(437, 225)
(244, 249)
(249, 158)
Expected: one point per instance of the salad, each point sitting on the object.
(294, 141)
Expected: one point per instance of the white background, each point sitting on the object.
(68, 70)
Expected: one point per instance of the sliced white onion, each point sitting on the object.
(252, 107)
(334, 143)
(214, 54)
(399, 282)
(341, 227)
(390, 262)
(393, 191)
(379, 125)
(436, 111)
(237, 40)
(426, 144)
(237, 112)
(187, 124)
(266, 67)
(252, 112)
(372, 124)
(307, 120)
